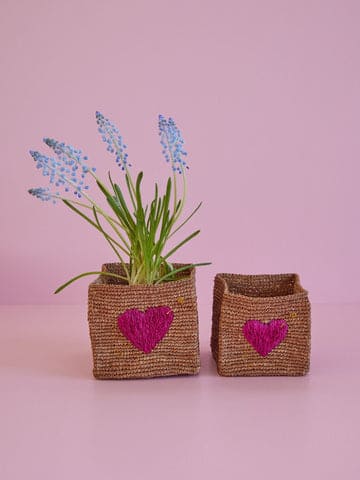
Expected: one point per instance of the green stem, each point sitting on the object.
(175, 191)
(90, 208)
(99, 209)
(183, 197)
(132, 186)
(85, 217)
(107, 218)
(112, 246)
(137, 275)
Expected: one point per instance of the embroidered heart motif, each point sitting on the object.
(145, 329)
(264, 337)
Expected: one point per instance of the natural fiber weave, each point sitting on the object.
(239, 298)
(114, 356)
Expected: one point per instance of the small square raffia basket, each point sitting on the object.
(240, 300)
(114, 356)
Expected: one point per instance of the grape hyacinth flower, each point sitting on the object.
(68, 170)
(172, 143)
(43, 194)
(110, 134)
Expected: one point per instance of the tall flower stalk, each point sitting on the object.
(136, 232)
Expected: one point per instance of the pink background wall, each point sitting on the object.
(267, 96)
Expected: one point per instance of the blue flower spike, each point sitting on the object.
(172, 143)
(110, 135)
(67, 170)
(42, 194)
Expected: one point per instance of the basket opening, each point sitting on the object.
(118, 270)
(263, 285)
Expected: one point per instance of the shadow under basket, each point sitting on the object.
(141, 331)
(260, 325)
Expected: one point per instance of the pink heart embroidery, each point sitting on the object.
(264, 337)
(145, 329)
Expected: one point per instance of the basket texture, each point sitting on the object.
(114, 356)
(251, 312)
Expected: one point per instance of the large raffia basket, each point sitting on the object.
(268, 302)
(115, 357)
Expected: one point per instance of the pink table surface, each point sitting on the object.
(57, 422)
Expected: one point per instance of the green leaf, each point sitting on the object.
(111, 244)
(79, 212)
(111, 201)
(122, 204)
(165, 212)
(186, 220)
(130, 188)
(153, 219)
(64, 285)
(166, 199)
(107, 236)
(180, 269)
(187, 239)
(138, 181)
(141, 229)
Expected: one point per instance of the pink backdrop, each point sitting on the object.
(266, 93)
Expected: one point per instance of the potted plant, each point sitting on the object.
(142, 309)
(261, 325)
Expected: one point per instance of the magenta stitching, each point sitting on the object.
(146, 329)
(264, 337)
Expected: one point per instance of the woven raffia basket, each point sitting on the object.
(260, 325)
(116, 356)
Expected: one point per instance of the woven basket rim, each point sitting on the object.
(224, 277)
(122, 286)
